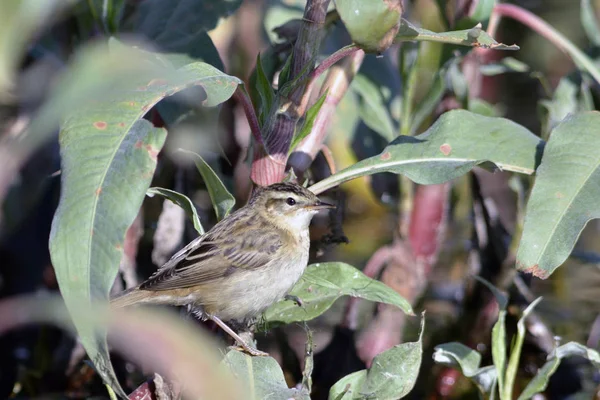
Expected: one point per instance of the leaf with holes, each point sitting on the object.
(392, 375)
(322, 284)
(261, 377)
(474, 37)
(458, 141)
(108, 159)
(564, 197)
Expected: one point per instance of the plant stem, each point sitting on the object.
(270, 161)
(242, 96)
(332, 59)
(540, 26)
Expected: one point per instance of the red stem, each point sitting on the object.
(332, 59)
(530, 20)
(241, 96)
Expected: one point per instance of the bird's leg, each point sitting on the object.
(295, 299)
(249, 349)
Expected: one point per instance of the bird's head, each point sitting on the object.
(287, 203)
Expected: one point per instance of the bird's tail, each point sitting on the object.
(129, 297)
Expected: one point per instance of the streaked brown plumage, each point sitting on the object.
(244, 264)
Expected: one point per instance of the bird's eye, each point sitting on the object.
(290, 201)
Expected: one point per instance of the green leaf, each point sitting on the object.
(108, 160)
(482, 107)
(564, 196)
(322, 284)
(499, 349)
(458, 355)
(515, 353)
(222, 200)
(429, 102)
(261, 377)
(498, 342)
(500, 296)
(590, 22)
(181, 26)
(507, 64)
(540, 381)
(575, 349)
(182, 201)
(474, 37)
(483, 10)
(486, 379)
(372, 107)
(284, 75)
(265, 91)
(309, 121)
(458, 141)
(569, 98)
(392, 375)
(371, 24)
(348, 387)
(467, 361)
(104, 178)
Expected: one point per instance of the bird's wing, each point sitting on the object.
(214, 255)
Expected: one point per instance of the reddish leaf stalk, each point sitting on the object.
(530, 20)
(242, 97)
(336, 85)
(325, 65)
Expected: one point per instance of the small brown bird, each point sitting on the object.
(245, 263)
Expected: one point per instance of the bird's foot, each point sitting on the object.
(243, 347)
(295, 299)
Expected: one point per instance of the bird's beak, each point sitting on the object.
(319, 205)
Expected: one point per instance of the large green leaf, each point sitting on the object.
(458, 141)
(261, 377)
(108, 160)
(564, 197)
(322, 284)
(371, 24)
(392, 375)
